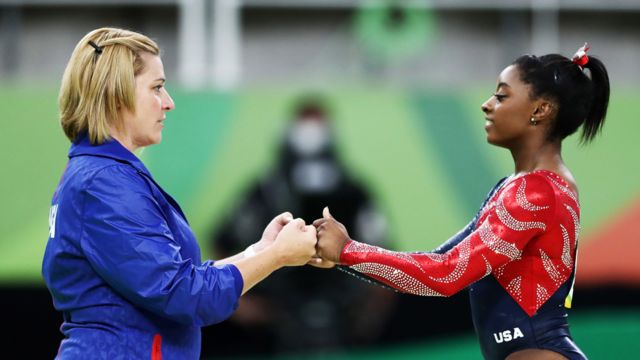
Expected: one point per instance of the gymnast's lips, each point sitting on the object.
(488, 123)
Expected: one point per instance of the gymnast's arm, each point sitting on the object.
(503, 232)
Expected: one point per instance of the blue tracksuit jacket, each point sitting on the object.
(123, 265)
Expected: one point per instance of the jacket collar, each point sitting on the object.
(110, 149)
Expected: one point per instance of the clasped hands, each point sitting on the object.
(319, 245)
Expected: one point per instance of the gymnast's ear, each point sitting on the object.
(545, 110)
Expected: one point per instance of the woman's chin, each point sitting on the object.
(497, 142)
(151, 140)
(155, 139)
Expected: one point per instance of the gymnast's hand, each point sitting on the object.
(332, 237)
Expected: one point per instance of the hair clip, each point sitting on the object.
(580, 58)
(96, 47)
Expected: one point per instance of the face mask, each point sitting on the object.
(309, 137)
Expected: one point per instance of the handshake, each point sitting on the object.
(294, 243)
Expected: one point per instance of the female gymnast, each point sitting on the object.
(518, 254)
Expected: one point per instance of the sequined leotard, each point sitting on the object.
(525, 237)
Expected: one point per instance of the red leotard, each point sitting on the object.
(525, 237)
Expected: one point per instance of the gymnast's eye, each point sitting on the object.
(500, 97)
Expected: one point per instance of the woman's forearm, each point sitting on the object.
(255, 248)
(256, 268)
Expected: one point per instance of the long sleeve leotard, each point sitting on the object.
(525, 237)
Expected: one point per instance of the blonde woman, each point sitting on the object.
(121, 262)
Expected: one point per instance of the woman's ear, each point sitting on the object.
(544, 111)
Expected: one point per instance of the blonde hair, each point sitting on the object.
(100, 81)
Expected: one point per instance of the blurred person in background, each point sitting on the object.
(525, 235)
(121, 262)
(307, 310)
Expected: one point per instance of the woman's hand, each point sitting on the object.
(332, 238)
(272, 230)
(295, 244)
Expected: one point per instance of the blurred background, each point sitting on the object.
(380, 100)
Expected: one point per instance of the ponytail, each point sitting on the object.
(599, 101)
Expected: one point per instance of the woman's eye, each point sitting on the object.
(500, 97)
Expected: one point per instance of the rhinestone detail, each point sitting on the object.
(563, 188)
(514, 287)
(554, 274)
(464, 251)
(521, 198)
(513, 224)
(355, 246)
(566, 248)
(397, 277)
(496, 244)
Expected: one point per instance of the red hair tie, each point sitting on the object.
(580, 58)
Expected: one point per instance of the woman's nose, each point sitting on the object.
(485, 106)
(168, 103)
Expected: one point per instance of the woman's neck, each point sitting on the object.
(121, 137)
(531, 157)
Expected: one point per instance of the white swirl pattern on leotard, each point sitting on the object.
(496, 244)
(521, 198)
(554, 274)
(514, 287)
(489, 269)
(355, 246)
(436, 257)
(541, 295)
(398, 278)
(576, 221)
(464, 252)
(509, 221)
(566, 248)
(563, 188)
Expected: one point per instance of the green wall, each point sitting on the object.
(422, 154)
